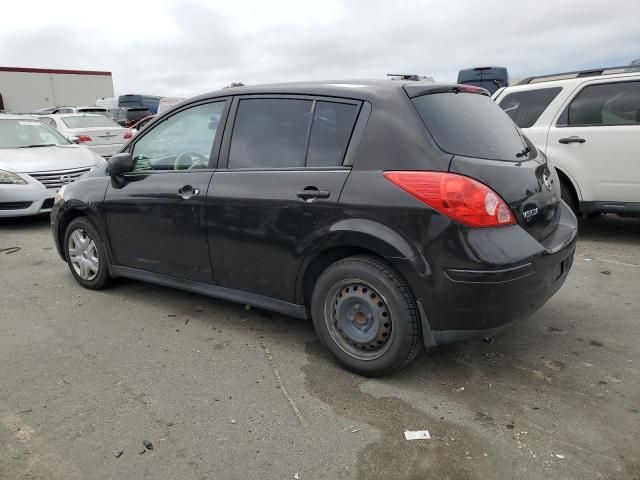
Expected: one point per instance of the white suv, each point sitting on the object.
(588, 124)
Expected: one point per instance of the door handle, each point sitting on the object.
(310, 194)
(573, 139)
(188, 191)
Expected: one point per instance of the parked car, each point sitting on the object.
(140, 124)
(127, 117)
(69, 109)
(149, 102)
(489, 78)
(35, 161)
(588, 124)
(393, 214)
(97, 132)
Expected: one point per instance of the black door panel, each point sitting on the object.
(156, 222)
(260, 229)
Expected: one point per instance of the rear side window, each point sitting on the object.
(470, 124)
(605, 104)
(330, 133)
(270, 133)
(525, 108)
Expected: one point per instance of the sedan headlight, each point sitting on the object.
(8, 178)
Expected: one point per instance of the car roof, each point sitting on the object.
(356, 89)
(9, 116)
(59, 115)
(568, 82)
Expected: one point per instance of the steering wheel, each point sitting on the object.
(189, 160)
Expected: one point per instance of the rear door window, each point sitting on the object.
(525, 107)
(270, 133)
(607, 104)
(330, 133)
(470, 125)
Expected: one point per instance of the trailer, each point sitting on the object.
(30, 89)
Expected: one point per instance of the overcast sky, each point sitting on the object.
(185, 47)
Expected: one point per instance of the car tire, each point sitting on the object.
(570, 198)
(365, 314)
(85, 254)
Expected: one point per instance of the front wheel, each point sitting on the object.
(364, 313)
(85, 254)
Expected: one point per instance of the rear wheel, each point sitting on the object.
(364, 313)
(85, 254)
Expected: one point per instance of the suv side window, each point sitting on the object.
(609, 104)
(182, 141)
(525, 107)
(330, 133)
(270, 133)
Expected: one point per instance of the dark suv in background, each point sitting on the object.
(128, 116)
(392, 213)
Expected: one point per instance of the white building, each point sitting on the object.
(29, 89)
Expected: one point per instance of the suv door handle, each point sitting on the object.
(573, 139)
(188, 191)
(310, 194)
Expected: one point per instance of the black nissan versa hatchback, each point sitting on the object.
(394, 214)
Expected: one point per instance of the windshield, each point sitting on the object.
(28, 133)
(93, 121)
(470, 125)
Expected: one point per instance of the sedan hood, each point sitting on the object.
(43, 159)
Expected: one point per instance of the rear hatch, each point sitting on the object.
(95, 130)
(135, 114)
(487, 146)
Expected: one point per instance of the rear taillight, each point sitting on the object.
(456, 196)
(84, 138)
(128, 135)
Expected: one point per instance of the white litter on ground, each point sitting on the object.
(559, 456)
(417, 435)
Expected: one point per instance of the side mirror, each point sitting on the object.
(75, 140)
(120, 163)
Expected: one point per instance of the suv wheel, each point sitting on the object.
(85, 254)
(365, 315)
(569, 196)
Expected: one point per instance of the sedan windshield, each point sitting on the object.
(28, 133)
(89, 121)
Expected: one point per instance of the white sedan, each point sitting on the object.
(35, 161)
(97, 132)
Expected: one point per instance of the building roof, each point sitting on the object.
(55, 71)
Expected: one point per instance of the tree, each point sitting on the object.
(234, 84)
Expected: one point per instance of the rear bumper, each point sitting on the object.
(480, 281)
(106, 150)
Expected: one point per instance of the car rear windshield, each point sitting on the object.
(470, 125)
(93, 121)
(525, 107)
(137, 114)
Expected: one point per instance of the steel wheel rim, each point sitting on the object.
(358, 319)
(83, 255)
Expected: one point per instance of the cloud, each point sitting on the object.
(188, 47)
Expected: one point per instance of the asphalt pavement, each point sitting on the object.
(218, 391)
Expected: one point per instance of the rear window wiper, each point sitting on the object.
(525, 151)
